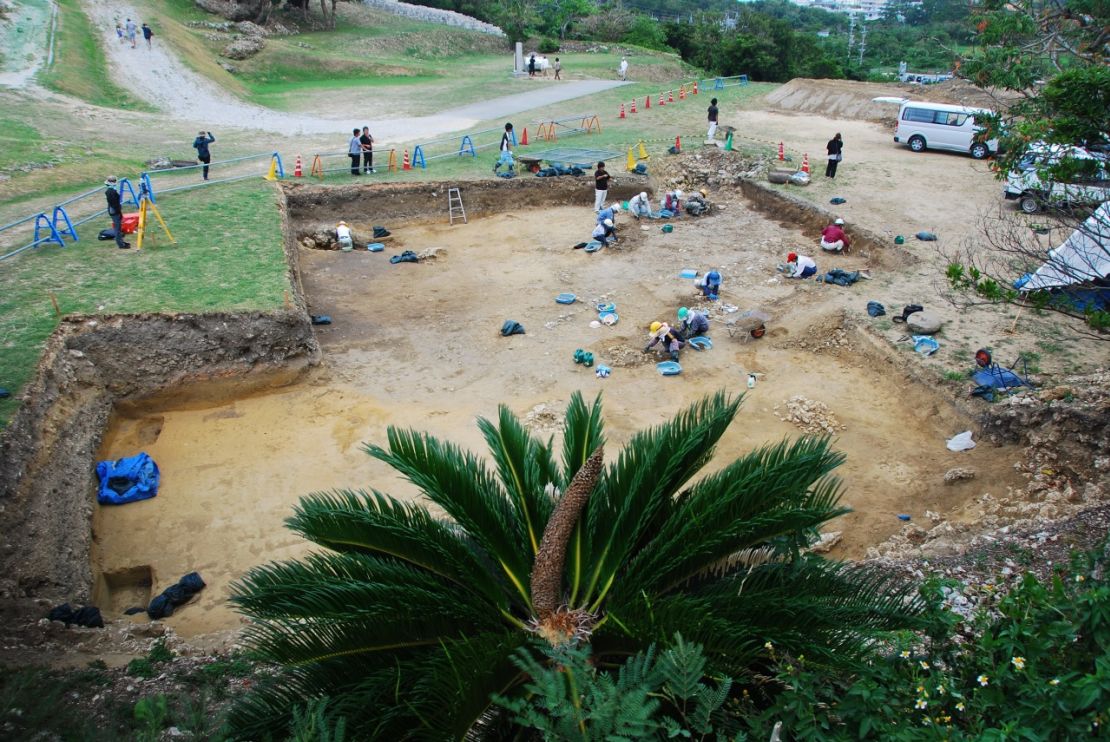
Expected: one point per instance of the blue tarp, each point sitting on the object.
(127, 480)
(998, 378)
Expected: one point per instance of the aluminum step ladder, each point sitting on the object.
(455, 205)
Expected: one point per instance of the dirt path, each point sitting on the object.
(159, 77)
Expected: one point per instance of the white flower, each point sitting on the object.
(983, 680)
(1018, 662)
(921, 703)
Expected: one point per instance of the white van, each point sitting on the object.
(923, 125)
(1025, 186)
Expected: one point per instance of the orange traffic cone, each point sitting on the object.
(297, 169)
(678, 145)
(633, 109)
(524, 139)
(805, 162)
(622, 112)
(782, 152)
(695, 87)
(647, 101)
(406, 164)
(670, 96)
(662, 101)
(682, 93)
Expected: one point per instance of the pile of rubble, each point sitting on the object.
(545, 418)
(810, 416)
(711, 166)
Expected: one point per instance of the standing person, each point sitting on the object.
(558, 68)
(713, 112)
(623, 69)
(115, 210)
(131, 29)
(601, 185)
(200, 144)
(835, 147)
(367, 143)
(119, 32)
(532, 66)
(354, 150)
(147, 34)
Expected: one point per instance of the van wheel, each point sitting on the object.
(980, 151)
(917, 144)
(1029, 204)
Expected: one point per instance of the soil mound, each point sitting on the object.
(844, 99)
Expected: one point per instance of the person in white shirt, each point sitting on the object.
(343, 232)
(639, 205)
(623, 69)
(801, 266)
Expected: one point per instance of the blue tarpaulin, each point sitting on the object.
(998, 378)
(127, 480)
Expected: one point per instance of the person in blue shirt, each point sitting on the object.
(200, 144)
(609, 213)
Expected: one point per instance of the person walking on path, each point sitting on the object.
(147, 34)
(835, 148)
(601, 186)
(119, 32)
(200, 144)
(354, 151)
(558, 68)
(623, 69)
(713, 113)
(115, 210)
(131, 29)
(367, 143)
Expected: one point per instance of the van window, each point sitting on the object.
(951, 119)
(920, 115)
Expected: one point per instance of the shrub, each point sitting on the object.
(548, 46)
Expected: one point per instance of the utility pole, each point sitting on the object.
(862, 41)
(851, 36)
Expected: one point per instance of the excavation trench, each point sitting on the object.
(417, 345)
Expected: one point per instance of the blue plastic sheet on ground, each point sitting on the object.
(998, 378)
(127, 480)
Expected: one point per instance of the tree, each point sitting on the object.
(1050, 55)
(409, 621)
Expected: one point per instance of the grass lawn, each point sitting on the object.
(80, 68)
(228, 257)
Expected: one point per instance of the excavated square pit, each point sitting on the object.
(418, 345)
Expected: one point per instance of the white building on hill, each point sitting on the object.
(869, 9)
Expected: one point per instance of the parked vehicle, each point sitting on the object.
(1027, 185)
(923, 125)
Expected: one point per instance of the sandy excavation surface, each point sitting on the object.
(418, 345)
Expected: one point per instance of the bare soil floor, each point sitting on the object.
(418, 345)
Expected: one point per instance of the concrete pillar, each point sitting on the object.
(518, 59)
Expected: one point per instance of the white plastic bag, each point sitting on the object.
(961, 442)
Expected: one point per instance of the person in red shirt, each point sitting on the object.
(833, 238)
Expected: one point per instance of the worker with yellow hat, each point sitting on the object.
(660, 333)
(697, 203)
(343, 234)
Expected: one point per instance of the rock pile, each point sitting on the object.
(434, 15)
(545, 418)
(810, 416)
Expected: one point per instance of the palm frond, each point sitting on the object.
(526, 467)
(583, 431)
(459, 483)
(636, 494)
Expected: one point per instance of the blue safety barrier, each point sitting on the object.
(418, 157)
(42, 221)
(60, 213)
(280, 169)
(125, 186)
(467, 147)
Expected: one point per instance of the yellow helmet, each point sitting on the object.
(655, 326)
(703, 192)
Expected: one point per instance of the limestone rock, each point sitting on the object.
(958, 474)
(244, 47)
(924, 323)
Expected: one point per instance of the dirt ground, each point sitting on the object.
(418, 345)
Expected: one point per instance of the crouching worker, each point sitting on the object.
(663, 335)
(605, 233)
(709, 285)
(833, 238)
(609, 213)
(696, 204)
(672, 201)
(800, 266)
(343, 234)
(639, 205)
(692, 323)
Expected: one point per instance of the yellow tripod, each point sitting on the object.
(145, 206)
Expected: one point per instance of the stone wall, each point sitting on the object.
(434, 15)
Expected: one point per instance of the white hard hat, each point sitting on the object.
(615, 207)
(643, 195)
(678, 192)
(839, 221)
(608, 222)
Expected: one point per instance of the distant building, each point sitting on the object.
(869, 9)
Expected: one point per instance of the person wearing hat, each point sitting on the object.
(696, 203)
(692, 323)
(672, 201)
(800, 266)
(662, 334)
(200, 144)
(833, 238)
(709, 285)
(605, 232)
(639, 205)
(343, 233)
(609, 213)
(115, 210)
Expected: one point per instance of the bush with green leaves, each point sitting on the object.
(408, 618)
(570, 698)
(1035, 665)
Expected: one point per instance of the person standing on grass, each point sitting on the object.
(506, 148)
(623, 69)
(131, 29)
(367, 143)
(354, 151)
(713, 113)
(147, 34)
(835, 148)
(558, 68)
(532, 66)
(601, 186)
(200, 144)
(115, 210)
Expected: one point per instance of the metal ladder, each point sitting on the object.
(455, 205)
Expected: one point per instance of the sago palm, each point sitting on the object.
(407, 619)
